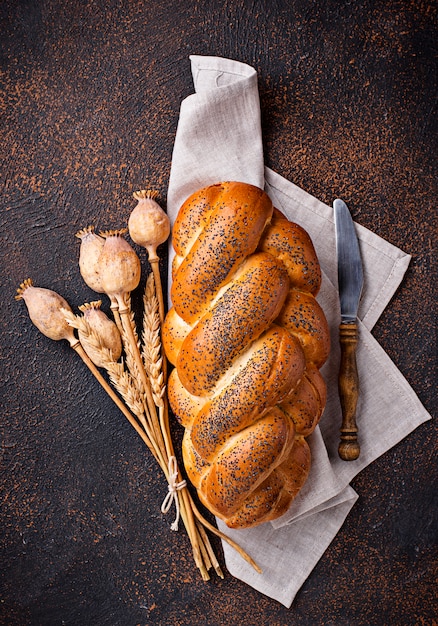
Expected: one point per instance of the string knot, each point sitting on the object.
(173, 488)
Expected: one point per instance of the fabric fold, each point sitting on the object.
(286, 555)
(203, 151)
(219, 138)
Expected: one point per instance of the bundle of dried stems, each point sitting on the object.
(137, 370)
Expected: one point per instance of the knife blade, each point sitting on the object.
(350, 283)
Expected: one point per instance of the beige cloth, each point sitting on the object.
(219, 138)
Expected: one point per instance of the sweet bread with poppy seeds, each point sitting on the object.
(247, 339)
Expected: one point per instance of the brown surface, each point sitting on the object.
(90, 99)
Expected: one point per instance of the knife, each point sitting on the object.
(350, 282)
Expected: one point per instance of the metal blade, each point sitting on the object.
(350, 271)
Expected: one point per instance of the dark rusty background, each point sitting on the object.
(89, 107)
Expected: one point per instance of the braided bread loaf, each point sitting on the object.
(247, 339)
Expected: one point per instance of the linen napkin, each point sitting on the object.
(219, 138)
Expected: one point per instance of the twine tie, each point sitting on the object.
(172, 494)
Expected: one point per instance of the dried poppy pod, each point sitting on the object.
(105, 331)
(119, 266)
(89, 254)
(45, 310)
(148, 224)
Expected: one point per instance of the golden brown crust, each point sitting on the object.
(247, 460)
(265, 502)
(194, 465)
(295, 468)
(305, 403)
(274, 365)
(215, 231)
(174, 331)
(247, 308)
(291, 244)
(304, 318)
(273, 497)
(185, 405)
(247, 338)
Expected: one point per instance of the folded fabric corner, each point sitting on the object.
(206, 149)
(285, 555)
(212, 72)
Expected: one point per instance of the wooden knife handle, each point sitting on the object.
(348, 383)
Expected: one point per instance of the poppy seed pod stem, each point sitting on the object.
(114, 306)
(159, 289)
(149, 226)
(111, 393)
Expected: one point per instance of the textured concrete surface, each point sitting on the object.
(90, 95)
